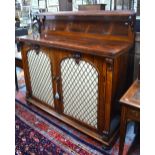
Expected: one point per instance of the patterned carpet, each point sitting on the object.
(38, 133)
(29, 141)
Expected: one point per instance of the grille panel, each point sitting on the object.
(80, 90)
(41, 76)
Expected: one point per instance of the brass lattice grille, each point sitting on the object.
(41, 76)
(80, 90)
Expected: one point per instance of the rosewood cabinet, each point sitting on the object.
(78, 68)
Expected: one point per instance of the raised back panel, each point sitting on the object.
(103, 28)
(80, 90)
(41, 76)
(110, 25)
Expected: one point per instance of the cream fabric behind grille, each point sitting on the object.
(40, 76)
(80, 90)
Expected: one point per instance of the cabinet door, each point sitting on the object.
(40, 74)
(79, 80)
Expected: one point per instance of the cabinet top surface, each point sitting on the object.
(84, 45)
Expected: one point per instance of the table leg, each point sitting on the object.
(16, 80)
(122, 130)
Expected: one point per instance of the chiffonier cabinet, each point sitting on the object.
(78, 67)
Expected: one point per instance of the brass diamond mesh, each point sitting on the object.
(80, 90)
(41, 76)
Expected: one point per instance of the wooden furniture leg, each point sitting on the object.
(16, 81)
(122, 130)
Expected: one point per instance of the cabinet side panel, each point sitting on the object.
(120, 80)
(41, 76)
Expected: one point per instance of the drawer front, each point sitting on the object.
(134, 114)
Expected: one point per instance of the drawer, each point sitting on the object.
(134, 114)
